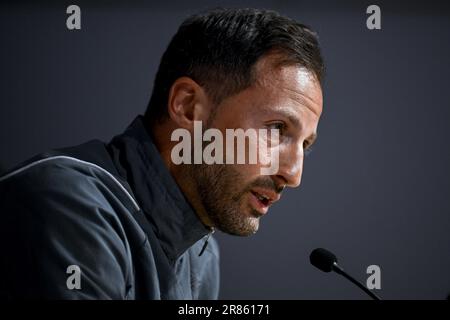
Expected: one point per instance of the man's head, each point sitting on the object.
(231, 69)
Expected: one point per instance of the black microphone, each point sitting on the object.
(327, 261)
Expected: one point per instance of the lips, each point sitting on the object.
(268, 196)
(262, 199)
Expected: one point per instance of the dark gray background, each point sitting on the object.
(376, 187)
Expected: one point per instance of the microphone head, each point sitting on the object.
(322, 259)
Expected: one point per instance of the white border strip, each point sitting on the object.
(76, 160)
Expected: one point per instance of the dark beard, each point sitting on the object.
(221, 190)
(217, 185)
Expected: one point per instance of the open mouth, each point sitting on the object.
(262, 199)
(265, 201)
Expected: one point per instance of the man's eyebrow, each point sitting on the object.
(296, 122)
(290, 116)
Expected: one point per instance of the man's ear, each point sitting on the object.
(187, 103)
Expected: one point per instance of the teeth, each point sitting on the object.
(262, 198)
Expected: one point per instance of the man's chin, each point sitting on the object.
(246, 228)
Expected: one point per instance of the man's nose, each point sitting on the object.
(291, 166)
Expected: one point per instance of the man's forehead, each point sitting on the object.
(294, 81)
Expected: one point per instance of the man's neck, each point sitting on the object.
(183, 173)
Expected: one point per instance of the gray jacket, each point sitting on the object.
(109, 216)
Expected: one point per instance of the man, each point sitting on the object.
(122, 220)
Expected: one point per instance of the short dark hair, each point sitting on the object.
(219, 48)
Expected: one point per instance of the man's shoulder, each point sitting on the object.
(85, 170)
(49, 158)
(50, 170)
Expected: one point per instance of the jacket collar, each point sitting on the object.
(174, 221)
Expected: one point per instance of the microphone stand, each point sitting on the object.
(339, 270)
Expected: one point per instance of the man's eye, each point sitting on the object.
(306, 148)
(280, 126)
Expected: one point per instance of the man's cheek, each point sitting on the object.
(269, 152)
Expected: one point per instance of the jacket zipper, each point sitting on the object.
(211, 231)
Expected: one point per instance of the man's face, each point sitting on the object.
(287, 98)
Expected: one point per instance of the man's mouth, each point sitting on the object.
(262, 199)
